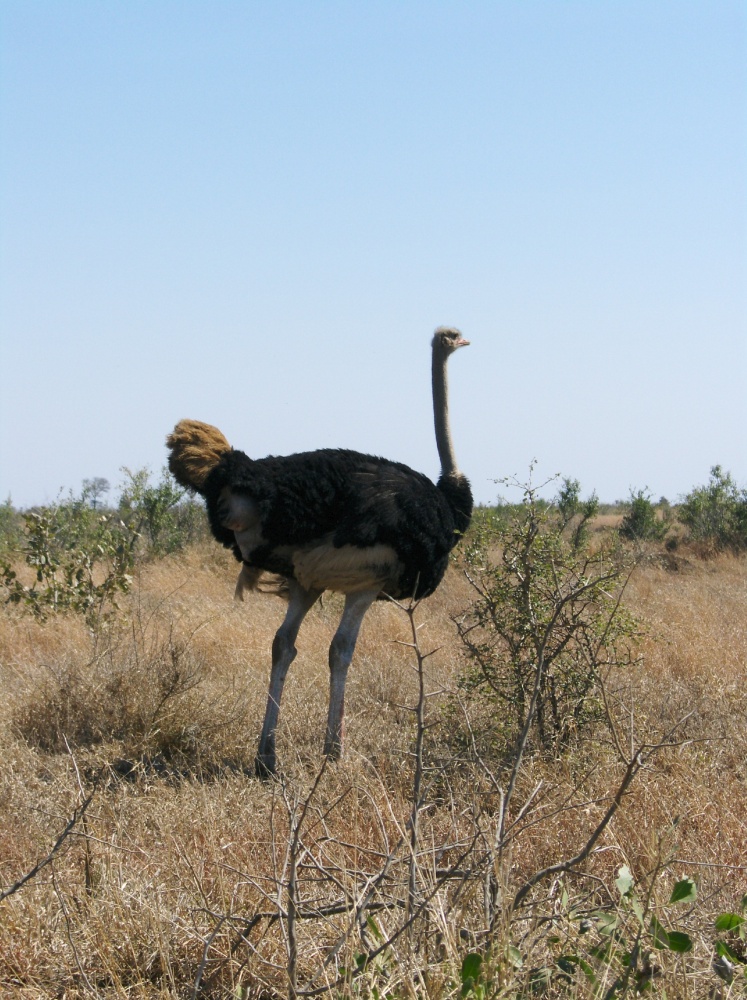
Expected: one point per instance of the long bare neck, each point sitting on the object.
(441, 415)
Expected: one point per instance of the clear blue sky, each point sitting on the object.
(255, 214)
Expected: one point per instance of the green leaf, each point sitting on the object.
(679, 942)
(624, 881)
(602, 951)
(659, 934)
(607, 924)
(514, 957)
(685, 891)
(724, 951)
(374, 928)
(588, 971)
(567, 963)
(471, 967)
(729, 922)
(541, 979)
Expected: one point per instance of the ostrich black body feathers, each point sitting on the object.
(343, 498)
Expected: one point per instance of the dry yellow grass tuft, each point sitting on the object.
(185, 876)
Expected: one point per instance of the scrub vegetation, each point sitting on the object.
(542, 793)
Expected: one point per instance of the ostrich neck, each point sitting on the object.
(441, 416)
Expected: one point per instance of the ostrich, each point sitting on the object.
(331, 519)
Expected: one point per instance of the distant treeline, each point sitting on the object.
(153, 518)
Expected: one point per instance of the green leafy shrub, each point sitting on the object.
(641, 523)
(731, 946)
(546, 624)
(83, 554)
(482, 533)
(11, 528)
(716, 513)
(615, 948)
(81, 558)
(575, 513)
(159, 513)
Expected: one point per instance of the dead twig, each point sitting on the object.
(78, 814)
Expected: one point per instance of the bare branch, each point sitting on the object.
(33, 872)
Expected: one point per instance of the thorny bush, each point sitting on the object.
(81, 559)
(82, 554)
(716, 514)
(547, 624)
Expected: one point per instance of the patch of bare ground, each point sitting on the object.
(181, 875)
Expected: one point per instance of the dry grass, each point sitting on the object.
(180, 866)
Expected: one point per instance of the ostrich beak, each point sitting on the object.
(462, 342)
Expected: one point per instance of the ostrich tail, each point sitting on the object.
(196, 449)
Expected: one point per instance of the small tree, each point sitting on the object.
(575, 512)
(94, 489)
(81, 560)
(717, 512)
(159, 512)
(11, 527)
(546, 625)
(641, 524)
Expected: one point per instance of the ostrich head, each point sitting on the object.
(447, 339)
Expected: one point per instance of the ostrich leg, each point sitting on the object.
(283, 654)
(340, 654)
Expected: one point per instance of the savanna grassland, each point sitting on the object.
(424, 863)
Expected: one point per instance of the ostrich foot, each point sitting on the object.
(333, 748)
(264, 765)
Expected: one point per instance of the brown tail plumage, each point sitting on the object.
(196, 449)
